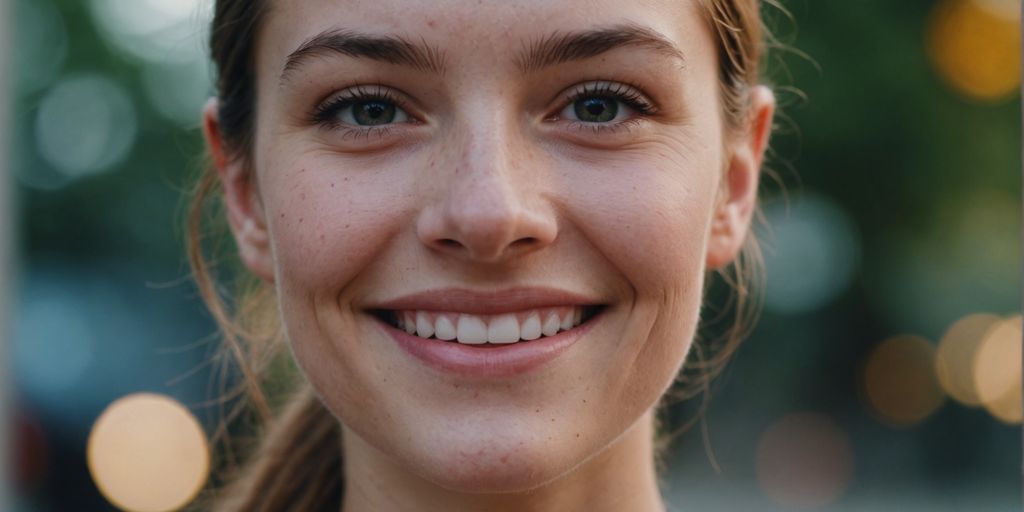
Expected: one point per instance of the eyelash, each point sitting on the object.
(626, 93)
(326, 114)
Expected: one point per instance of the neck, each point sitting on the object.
(621, 477)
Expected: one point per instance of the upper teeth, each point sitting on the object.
(479, 329)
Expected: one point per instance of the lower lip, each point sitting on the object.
(488, 361)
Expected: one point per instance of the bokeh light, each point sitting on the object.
(147, 453)
(154, 30)
(975, 45)
(42, 42)
(955, 357)
(178, 90)
(812, 252)
(964, 263)
(804, 460)
(31, 451)
(84, 125)
(997, 370)
(50, 358)
(899, 382)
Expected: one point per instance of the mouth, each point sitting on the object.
(491, 330)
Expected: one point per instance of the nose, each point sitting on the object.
(491, 207)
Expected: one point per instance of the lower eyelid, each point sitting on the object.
(605, 128)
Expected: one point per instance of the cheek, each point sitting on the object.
(648, 214)
(327, 225)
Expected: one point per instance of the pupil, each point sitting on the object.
(596, 110)
(374, 112)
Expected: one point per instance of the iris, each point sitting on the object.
(596, 110)
(372, 113)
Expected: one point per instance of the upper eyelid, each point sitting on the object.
(359, 92)
(362, 91)
(600, 87)
(610, 88)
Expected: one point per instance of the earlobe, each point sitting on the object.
(738, 192)
(241, 199)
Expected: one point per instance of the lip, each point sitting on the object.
(490, 361)
(485, 303)
(487, 361)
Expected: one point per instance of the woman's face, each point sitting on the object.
(549, 171)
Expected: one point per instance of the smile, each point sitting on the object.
(495, 329)
(488, 335)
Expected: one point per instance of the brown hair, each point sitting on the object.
(298, 462)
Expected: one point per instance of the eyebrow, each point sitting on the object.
(385, 48)
(559, 48)
(553, 49)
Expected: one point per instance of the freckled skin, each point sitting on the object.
(634, 222)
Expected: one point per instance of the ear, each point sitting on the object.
(245, 211)
(738, 192)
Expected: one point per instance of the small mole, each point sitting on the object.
(300, 220)
(537, 410)
(347, 225)
(456, 386)
(577, 435)
(302, 196)
(476, 394)
(332, 185)
(552, 420)
(282, 215)
(345, 178)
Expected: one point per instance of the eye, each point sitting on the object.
(605, 103)
(361, 106)
(596, 110)
(372, 113)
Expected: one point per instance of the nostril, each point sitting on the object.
(448, 242)
(525, 241)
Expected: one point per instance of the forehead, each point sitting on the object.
(494, 30)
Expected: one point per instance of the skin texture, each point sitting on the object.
(491, 185)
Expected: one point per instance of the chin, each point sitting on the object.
(492, 466)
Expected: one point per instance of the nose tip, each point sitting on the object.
(487, 221)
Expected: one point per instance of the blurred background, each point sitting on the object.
(884, 373)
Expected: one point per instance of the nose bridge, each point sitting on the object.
(485, 178)
(488, 134)
(489, 208)
(485, 202)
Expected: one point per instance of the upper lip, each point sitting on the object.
(473, 302)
